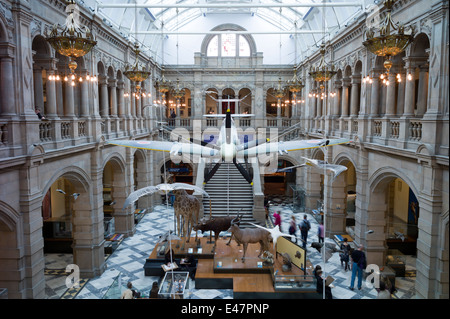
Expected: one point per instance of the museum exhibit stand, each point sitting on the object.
(284, 273)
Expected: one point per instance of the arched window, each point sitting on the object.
(228, 45)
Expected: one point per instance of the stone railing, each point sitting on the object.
(394, 129)
(45, 131)
(82, 129)
(377, 128)
(4, 134)
(415, 130)
(65, 130)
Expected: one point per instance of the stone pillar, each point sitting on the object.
(51, 96)
(354, 101)
(84, 103)
(69, 102)
(7, 87)
(313, 189)
(410, 93)
(121, 98)
(375, 96)
(401, 88)
(422, 96)
(38, 89)
(88, 238)
(113, 97)
(104, 103)
(337, 98)
(390, 96)
(345, 88)
(336, 203)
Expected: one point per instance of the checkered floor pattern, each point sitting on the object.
(128, 261)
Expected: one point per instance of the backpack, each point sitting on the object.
(362, 261)
(305, 225)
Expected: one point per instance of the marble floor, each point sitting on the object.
(127, 262)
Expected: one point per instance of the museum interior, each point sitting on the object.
(172, 144)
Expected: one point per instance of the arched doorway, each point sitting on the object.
(390, 231)
(277, 184)
(177, 172)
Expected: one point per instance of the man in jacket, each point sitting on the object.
(358, 265)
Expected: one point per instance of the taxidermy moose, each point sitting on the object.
(216, 225)
(247, 236)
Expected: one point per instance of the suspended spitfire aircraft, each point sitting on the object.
(228, 146)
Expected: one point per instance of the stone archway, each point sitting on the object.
(376, 232)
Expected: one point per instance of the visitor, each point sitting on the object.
(277, 216)
(38, 113)
(358, 265)
(154, 291)
(383, 293)
(128, 293)
(320, 284)
(320, 232)
(345, 254)
(304, 226)
(293, 228)
(316, 269)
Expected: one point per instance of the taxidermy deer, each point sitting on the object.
(247, 236)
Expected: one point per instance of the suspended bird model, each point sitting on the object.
(228, 147)
(162, 189)
(320, 166)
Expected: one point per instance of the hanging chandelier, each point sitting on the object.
(295, 86)
(72, 41)
(136, 74)
(279, 92)
(321, 74)
(178, 93)
(384, 42)
(163, 86)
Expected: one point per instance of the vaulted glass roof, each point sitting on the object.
(148, 20)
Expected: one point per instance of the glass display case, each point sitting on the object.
(233, 264)
(58, 227)
(294, 283)
(118, 286)
(175, 284)
(298, 198)
(397, 263)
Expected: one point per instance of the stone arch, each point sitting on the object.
(379, 216)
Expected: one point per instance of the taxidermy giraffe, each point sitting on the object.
(186, 208)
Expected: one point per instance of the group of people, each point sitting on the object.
(350, 259)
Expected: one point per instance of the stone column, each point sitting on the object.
(121, 98)
(51, 96)
(375, 95)
(69, 102)
(84, 97)
(410, 93)
(7, 87)
(113, 96)
(354, 100)
(38, 89)
(345, 88)
(336, 203)
(401, 87)
(390, 96)
(337, 98)
(104, 103)
(422, 95)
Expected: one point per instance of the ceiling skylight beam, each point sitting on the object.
(234, 5)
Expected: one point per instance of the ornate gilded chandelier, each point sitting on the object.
(72, 41)
(321, 74)
(279, 92)
(178, 93)
(385, 43)
(163, 86)
(295, 86)
(136, 74)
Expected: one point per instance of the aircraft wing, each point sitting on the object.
(171, 147)
(290, 146)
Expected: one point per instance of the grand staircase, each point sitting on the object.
(229, 193)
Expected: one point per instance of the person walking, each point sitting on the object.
(358, 265)
(304, 226)
(345, 254)
(320, 232)
(277, 216)
(293, 228)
